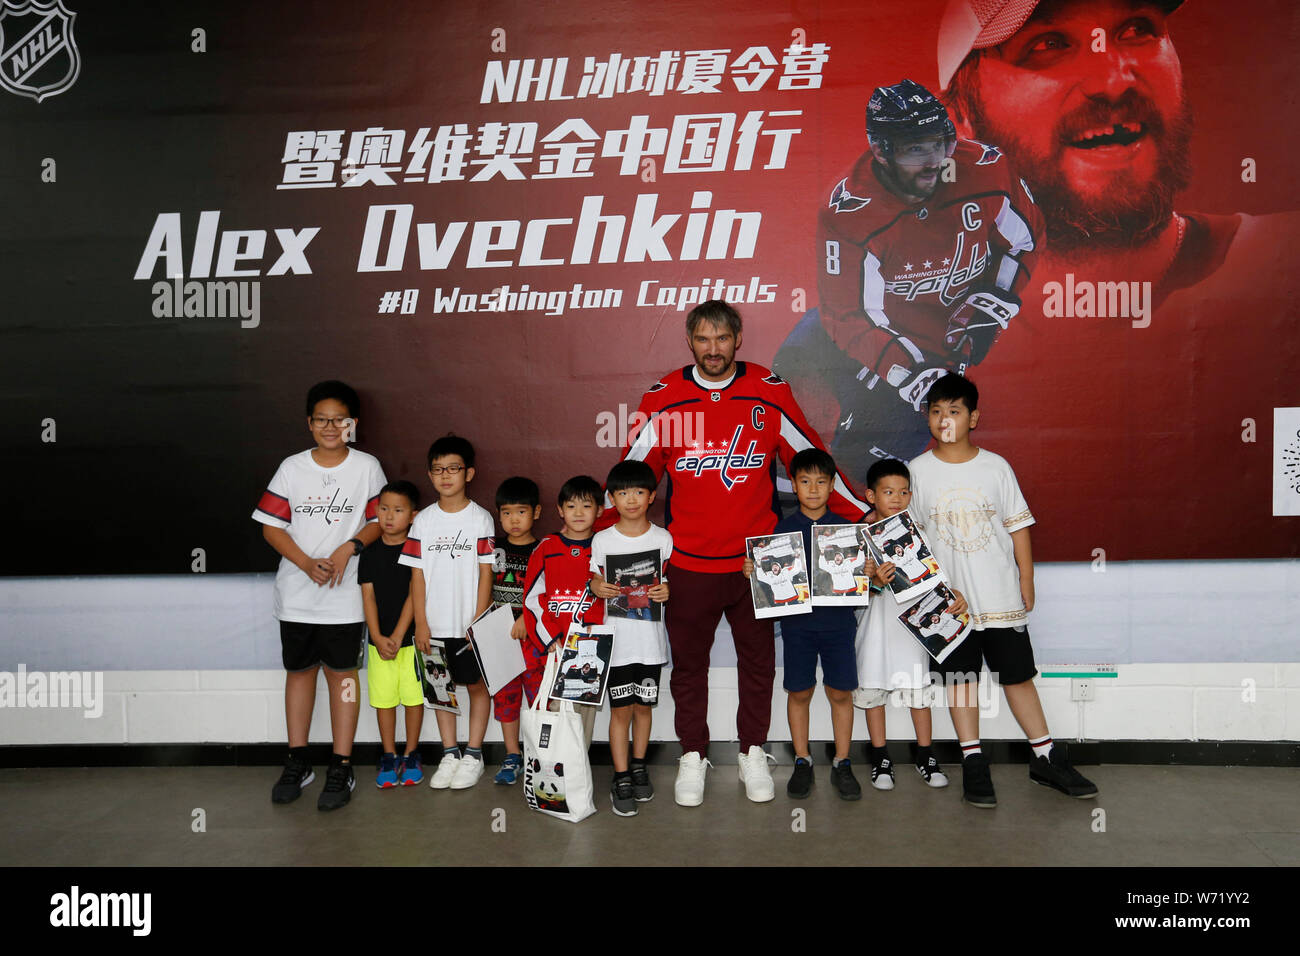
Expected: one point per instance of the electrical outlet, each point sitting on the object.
(1083, 689)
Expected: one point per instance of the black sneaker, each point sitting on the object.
(339, 781)
(293, 780)
(801, 781)
(977, 782)
(642, 789)
(622, 797)
(932, 773)
(846, 785)
(1055, 771)
(882, 774)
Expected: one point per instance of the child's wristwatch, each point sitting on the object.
(357, 546)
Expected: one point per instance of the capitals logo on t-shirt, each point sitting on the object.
(726, 458)
(452, 546)
(331, 509)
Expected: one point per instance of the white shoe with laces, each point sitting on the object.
(688, 791)
(447, 768)
(755, 775)
(467, 774)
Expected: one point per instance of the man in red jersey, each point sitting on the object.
(715, 430)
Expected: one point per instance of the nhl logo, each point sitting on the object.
(38, 54)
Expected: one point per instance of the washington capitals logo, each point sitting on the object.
(990, 155)
(727, 460)
(844, 201)
(38, 54)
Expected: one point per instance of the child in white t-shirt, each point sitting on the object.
(318, 513)
(450, 549)
(890, 660)
(969, 503)
(640, 646)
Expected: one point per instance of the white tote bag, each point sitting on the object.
(557, 770)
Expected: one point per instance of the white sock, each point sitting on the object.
(1042, 746)
(970, 747)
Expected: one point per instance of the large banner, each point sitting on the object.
(493, 218)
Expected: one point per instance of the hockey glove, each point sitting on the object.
(977, 322)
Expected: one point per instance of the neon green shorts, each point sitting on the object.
(393, 682)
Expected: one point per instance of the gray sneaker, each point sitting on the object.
(622, 798)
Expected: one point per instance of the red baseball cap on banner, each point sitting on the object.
(978, 24)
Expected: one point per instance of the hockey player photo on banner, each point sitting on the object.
(435, 678)
(584, 664)
(634, 575)
(779, 584)
(897, 539)
(839, 578)
(928, 620)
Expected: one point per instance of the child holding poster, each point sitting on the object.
(642, 549)
(890, 661)
(825, 633)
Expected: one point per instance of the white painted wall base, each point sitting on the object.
(1145, 702)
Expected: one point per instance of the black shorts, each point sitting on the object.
(461, 663)
(1006, 649)
(634, 684)
(338, 646)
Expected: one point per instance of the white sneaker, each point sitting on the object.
(755, 775)
(467, 774)
(688, 791)
(447, 767)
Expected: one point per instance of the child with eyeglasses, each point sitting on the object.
(450, 549)
(318, 513)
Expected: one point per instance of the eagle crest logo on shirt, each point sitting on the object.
(844, 201)
(990, 155)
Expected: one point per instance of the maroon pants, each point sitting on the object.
(697, 602)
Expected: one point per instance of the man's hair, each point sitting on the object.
(518, 491)
(814, 460)
(631, 474)
(886, 468)
(404, 488)
(452, 444)
(580, 487)
(715, 311)
(339, 391)
(952, 387)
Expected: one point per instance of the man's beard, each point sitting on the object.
(1130, 213)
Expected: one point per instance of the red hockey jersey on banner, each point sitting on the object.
(893, 272)
(718, 448)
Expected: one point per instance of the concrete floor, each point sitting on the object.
(1154, 816)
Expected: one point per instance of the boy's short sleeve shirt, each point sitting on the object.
(635, 641)
(379, 567)
(968, 511)
(321, 509)
(509, 569)
(448, 549)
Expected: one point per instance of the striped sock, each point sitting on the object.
(1042, 746)
(970, 747)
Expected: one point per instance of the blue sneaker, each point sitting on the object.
(509, 771)
(387, 772)
(411, 774)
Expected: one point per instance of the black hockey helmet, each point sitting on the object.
(907, 110)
